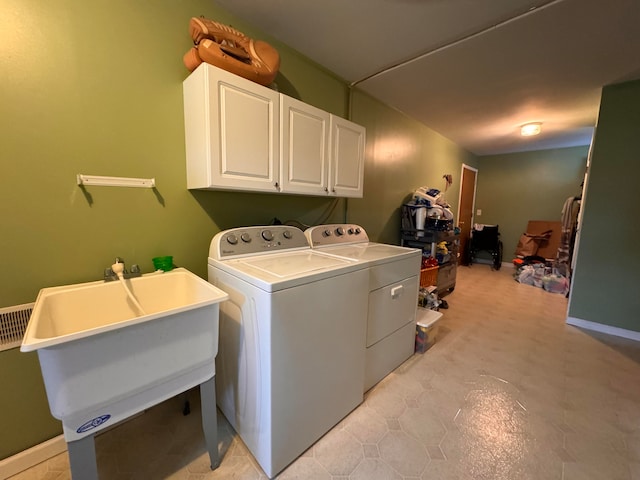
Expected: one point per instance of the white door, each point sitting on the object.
(304, 144)
(346, 170)
(232, 132)
(247, 156)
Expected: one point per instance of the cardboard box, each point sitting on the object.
(549, 248)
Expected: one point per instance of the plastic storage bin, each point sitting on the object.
(426, 329)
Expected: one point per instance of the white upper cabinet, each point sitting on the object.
(346, 173)
(304, 147)
(231, 131)
(243, 136)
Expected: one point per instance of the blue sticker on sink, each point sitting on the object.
(91, 424)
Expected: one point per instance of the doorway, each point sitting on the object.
(466, 205)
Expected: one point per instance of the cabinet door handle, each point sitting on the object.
(396, 291)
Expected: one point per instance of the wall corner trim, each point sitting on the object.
(608, 329)
(21, 461)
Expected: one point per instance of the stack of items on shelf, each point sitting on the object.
(438, 240)
(427, 223)
(428, 210)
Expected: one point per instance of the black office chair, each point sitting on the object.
(487, 239)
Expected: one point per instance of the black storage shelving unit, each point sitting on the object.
(426, 239)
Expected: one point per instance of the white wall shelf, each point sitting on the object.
(115, 181)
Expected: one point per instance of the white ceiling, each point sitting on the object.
(472, 70)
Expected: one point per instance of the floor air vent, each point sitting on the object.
(13, 323)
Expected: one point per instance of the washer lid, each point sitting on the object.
(292, 264)
(277, 271)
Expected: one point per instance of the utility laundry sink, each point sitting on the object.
(71, 312)
(102, 360)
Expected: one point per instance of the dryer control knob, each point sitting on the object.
(267, 235)
(358, 230)
(326, 233)
(339, 231)
(287, 234)
(351, 231)
(232, 239)
(246, 238)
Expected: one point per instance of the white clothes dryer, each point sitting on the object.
(394, 277)
(291, 356)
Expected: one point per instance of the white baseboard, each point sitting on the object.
(32, 456)
(608, 329)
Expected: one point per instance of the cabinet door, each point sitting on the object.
(346, 169)
(232, 132)
(304, 147)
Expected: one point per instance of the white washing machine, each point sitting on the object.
(394, 278)
(291, 356)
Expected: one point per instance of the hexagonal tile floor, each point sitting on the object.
(508, 391)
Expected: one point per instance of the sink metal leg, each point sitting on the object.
(210, 420)
(82, 459)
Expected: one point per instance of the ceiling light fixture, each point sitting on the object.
(530, 129)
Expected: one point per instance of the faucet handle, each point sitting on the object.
(109, 274)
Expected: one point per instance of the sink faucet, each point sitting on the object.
(110, 275)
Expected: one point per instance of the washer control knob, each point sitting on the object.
(351, 231)
(232, 239)
(287, 234)
(326, 233)
(358, 230)
(267, 235)
(339, 231)
(245, 237)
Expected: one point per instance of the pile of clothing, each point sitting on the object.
(534, 271)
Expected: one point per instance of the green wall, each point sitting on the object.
(96, 88)
(605, 281)
(515, 188)
(402, 155)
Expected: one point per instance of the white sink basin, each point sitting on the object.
(102, 361)
(70, 312)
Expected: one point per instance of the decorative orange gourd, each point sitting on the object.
(231, 50)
